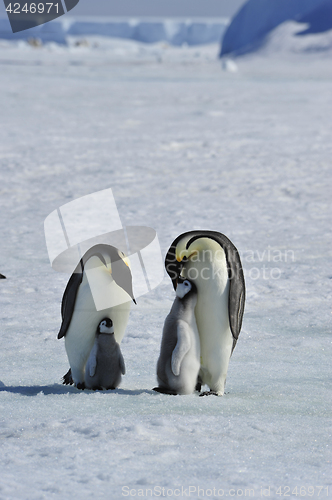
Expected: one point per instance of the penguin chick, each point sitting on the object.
(179, 361)
(105, 363)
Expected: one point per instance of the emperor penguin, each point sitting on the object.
(179, 363)
(102, 275)
(211, 261)
(105, 364)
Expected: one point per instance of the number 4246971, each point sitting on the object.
(33, 8)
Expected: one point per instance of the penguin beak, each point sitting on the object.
(179, 255)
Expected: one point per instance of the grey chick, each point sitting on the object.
(105, 364)
(179, 361)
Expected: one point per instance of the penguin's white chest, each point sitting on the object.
(211, 311)
(212, 322)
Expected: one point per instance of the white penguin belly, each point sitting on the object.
(216, 344)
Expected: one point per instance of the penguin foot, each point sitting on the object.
(68, 379)
(209, 393)
(81, 385)
(163, 390)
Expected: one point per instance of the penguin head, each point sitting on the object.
(184, 287)
(106, 326)
(183, 249)
(115, 262)
(193, 248)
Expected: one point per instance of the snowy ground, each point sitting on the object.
(184, 145)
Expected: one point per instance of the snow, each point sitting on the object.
(249, 27)
(183, 145)
(173, 31)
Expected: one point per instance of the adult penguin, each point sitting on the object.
(100, 286)
(212, 262)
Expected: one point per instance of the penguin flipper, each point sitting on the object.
(2, 277)
(92, 361)
(68, 301)
(182, 347)
(122, 363)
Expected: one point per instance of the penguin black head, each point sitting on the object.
(106, 326)
(184, 287)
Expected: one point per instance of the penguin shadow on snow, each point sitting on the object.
(33, 390)
(56, 389)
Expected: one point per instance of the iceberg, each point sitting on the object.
(173, 31)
